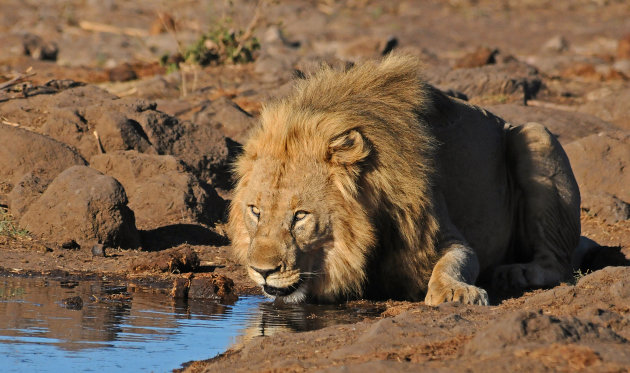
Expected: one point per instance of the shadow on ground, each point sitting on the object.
(174, 235)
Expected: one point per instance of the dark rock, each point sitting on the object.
(116, 131)
(177, 260)
(122, 73)
(83, 205)
(30, 171)
(73, 303)
(227, 117)
(204, 286)
(207, 152)
(480, 57)
(211, 286)
(605, 206)
(180, 287)
(160, 188)
(94, 121)
(37, 48)
(71, 245)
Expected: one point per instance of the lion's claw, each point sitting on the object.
(456, 292)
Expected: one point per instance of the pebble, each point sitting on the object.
(98, 250)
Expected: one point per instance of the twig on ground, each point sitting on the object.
(98, 143)
(9, 123)
(18, 79)
(102, 27)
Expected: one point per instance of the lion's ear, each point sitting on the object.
(348, 149)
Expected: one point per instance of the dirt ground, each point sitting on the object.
(84, 97)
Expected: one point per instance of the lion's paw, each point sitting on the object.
(519, 276)
(455, 291)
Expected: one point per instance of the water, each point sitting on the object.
(117, 330)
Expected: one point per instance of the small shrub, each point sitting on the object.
(578, 274)
(8, 227)
(222, 45)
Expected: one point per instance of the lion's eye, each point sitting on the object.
(299, 215)
(255, 211)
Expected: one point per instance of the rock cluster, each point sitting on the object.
(81, 165)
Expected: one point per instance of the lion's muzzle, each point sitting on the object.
(282, 292)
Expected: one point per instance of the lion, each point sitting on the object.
(370, 183)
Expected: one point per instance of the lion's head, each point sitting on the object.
(311, 187)
(285, 213)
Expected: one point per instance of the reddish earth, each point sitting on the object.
(85, 105)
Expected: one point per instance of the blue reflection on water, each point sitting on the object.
(148, 333)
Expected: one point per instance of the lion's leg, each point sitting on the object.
(455, 273)
(549, 221)
(453, 276)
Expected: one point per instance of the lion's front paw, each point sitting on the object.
(455, 291)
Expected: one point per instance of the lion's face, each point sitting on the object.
(287, 217)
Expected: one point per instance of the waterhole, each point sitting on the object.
(52, 326)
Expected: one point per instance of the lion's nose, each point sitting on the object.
(266, 272)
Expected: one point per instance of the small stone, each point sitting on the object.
(606, 206)
(180, 287)
(389, 46)
(35, 47)
(122, 73)
(71, 245)
(211, 286)
(73, 303)
(556, 44)
(480, 57)
(98, 250)
(202, 288)
(176, 260)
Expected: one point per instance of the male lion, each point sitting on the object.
(371, 183)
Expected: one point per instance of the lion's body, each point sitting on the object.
(371, 183)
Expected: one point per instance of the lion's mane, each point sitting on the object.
(385, 227)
